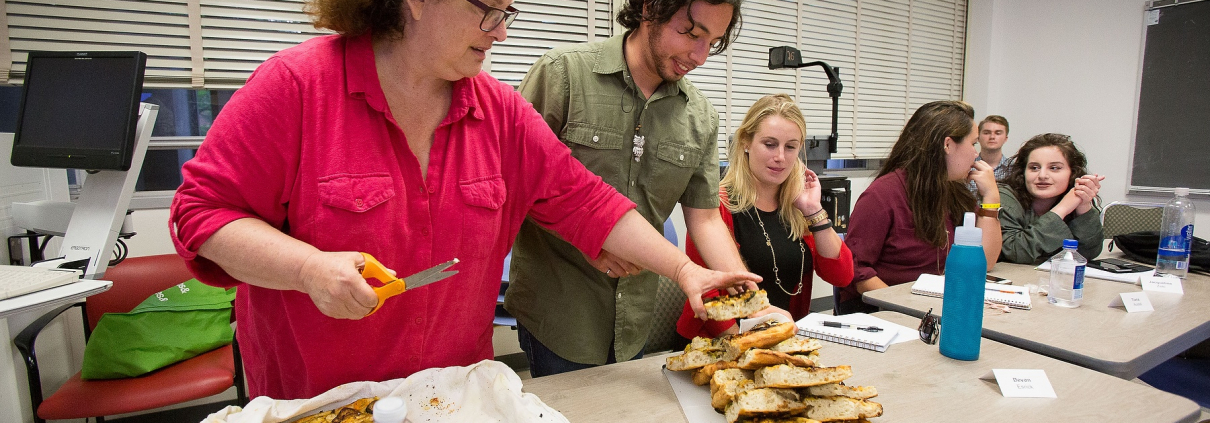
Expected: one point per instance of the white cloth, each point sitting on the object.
(487, 391)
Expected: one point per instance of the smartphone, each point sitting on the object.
(999, 280)
(1117, 266)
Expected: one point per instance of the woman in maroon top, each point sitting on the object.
(903, 224)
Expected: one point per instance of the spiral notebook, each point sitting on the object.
(812, 326)
(1009, 295)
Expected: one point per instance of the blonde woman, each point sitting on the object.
(771, 204)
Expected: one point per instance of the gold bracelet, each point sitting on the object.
(816, 218)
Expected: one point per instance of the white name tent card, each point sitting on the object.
(1165, 283)
(1022, 383)
(1133, 301)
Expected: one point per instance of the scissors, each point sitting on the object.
(393, 286)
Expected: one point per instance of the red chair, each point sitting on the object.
(134, 280)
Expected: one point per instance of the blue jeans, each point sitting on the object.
(544, 362)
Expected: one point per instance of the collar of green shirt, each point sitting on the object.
(611, 59)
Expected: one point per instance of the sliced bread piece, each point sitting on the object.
(763, 335)
(787, 376)
(842, 390)
(778, 420)
(830, 409)
(726, 384)
(702, 375)
(770, 402)
(728, 307)
(758, 357)
(701, 352)
(797, 345)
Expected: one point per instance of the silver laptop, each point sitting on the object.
(21, 280)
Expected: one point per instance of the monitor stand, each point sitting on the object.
(104, 198)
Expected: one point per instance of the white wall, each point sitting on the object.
(1067, 66)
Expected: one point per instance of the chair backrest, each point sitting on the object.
(1121, 217)
(669, 303)
(135, 279)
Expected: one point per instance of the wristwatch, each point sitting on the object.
(993, 213)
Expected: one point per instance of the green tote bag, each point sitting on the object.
(175, 324)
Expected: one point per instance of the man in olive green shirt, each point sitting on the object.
(626, 112)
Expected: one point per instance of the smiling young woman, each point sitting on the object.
(1048, 197)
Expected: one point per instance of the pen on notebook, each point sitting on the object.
(843, 325)
(1003, 291)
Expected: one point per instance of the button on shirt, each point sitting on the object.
(586, 95)
(309, 146)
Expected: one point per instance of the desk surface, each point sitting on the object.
(915, 384)
(52, 297)
(1094, 335)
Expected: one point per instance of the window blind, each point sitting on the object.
(189, 43)
(893, 55)
(542, 25)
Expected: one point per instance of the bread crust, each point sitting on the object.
(756, 358)
(763, 335)
(797, 345)
(729, 307)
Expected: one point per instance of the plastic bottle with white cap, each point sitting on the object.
(965, 281)
(390, 410)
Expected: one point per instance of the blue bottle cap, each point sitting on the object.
(1071, 243)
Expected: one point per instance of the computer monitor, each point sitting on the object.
(79, 110)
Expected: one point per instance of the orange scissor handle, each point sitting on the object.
(391, 287)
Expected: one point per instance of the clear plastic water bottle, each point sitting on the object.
(1067, 276)
(965, 281)
(1176, 236)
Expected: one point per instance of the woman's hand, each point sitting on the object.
(695, 280)
(336, 286)
(1086, 189)
(808, 201)
(984, 176)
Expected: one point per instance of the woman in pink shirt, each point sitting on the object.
(387, 139)
(903, 224)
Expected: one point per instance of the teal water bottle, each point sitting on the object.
(965, 281)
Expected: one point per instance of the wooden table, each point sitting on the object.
(1095, 336)
(915, 384)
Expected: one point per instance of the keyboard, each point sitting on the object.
(21, 280)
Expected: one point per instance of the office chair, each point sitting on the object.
(1123, 217)
(134, 280)
(669, 302)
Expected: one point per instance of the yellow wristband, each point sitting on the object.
(990, 206)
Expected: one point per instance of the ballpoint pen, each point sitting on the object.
(1003, 291)
(845, 325)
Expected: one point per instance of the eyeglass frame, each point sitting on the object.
(929, 328)
(509, 15)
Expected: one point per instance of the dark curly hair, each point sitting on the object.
(1016, 174)
(661, 11)
(920, 151)
(384, 18)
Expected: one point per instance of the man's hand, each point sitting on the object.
(336, 286)
(612, 265)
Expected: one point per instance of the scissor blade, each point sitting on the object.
(430, 275)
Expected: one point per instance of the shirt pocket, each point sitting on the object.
(671, 170)
(598, 149)
(482, 218)
(357, 193)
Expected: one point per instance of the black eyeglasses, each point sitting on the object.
(493, 16)
(929, 328)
